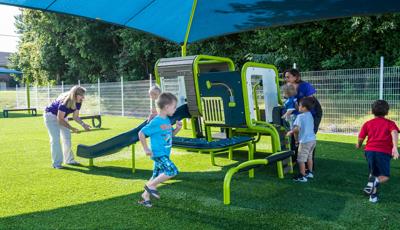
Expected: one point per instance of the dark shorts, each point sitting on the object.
(378, 163)
(164, 165)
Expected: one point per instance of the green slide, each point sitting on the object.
(115, 144)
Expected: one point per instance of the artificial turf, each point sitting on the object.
(35, 196)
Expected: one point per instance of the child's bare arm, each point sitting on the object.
(395, 140)
(178, 128)
(359, 143)
(296, 134)
(143, 141)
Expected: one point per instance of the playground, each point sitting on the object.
(35, 196)
(246, 132)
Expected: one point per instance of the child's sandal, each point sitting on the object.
(152, 192)
(145, 203)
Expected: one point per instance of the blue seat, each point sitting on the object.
(201, 143)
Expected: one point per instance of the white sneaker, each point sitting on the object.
(300, 178)
(373, 198)
(310, 175)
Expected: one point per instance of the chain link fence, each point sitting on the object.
(345, 95)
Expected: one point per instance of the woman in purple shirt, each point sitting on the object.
(55, 119)
(304, 89)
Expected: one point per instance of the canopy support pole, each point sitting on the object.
(183, 47)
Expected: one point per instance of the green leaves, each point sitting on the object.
(64, 48)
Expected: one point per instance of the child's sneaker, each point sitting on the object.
(371, 185)
(309, 174)
(373, 198)
(300, 178)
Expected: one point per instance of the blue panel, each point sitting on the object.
(115, 11)
(215, 18)
(165, 18)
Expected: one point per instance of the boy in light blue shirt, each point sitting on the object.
(305, 138)
(160, 131)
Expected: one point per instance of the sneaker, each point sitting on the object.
(73, 162)
(300, 178)
(309, 174)
(57, 166)
(371, 185)
(373, 198)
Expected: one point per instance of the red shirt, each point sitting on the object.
(379, 135)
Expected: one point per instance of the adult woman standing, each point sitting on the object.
(55, 119)
(304, 89)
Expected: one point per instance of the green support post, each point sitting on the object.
(184, 124)
(279, 167)
(208, 133)
(192, 121)
(212, 154)
(232, 171)
(251, 157)
(91, 162)
(230, 154)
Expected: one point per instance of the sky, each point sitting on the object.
(8, 43)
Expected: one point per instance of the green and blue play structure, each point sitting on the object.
(213, 94)
(219, 96)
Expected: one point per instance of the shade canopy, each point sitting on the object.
(10, 71)
(173, 19)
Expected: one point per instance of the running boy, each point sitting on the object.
(160, 131)
(303, 130)
(381, 147)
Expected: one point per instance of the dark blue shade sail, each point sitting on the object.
(169, 19)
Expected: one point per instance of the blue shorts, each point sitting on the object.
(378, 163)
(164, 165)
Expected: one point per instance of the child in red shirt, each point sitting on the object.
(381, 147)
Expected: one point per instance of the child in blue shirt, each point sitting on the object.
(305, 138)
(160, 131)
(289, 111)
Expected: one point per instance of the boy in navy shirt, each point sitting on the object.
(160, 131)
(381, 147)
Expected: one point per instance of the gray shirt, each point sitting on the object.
(305, 123)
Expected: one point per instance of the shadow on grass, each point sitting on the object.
(93, 130)
(18, 115)
(195, 199)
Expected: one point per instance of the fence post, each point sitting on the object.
(48, 92)
(122, 96)
(62, 86)
(98, 95)
(294, 66)
(37, 97)
(381, 80)
(16, 94)
(79, 82)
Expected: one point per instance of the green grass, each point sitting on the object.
(35, 196)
